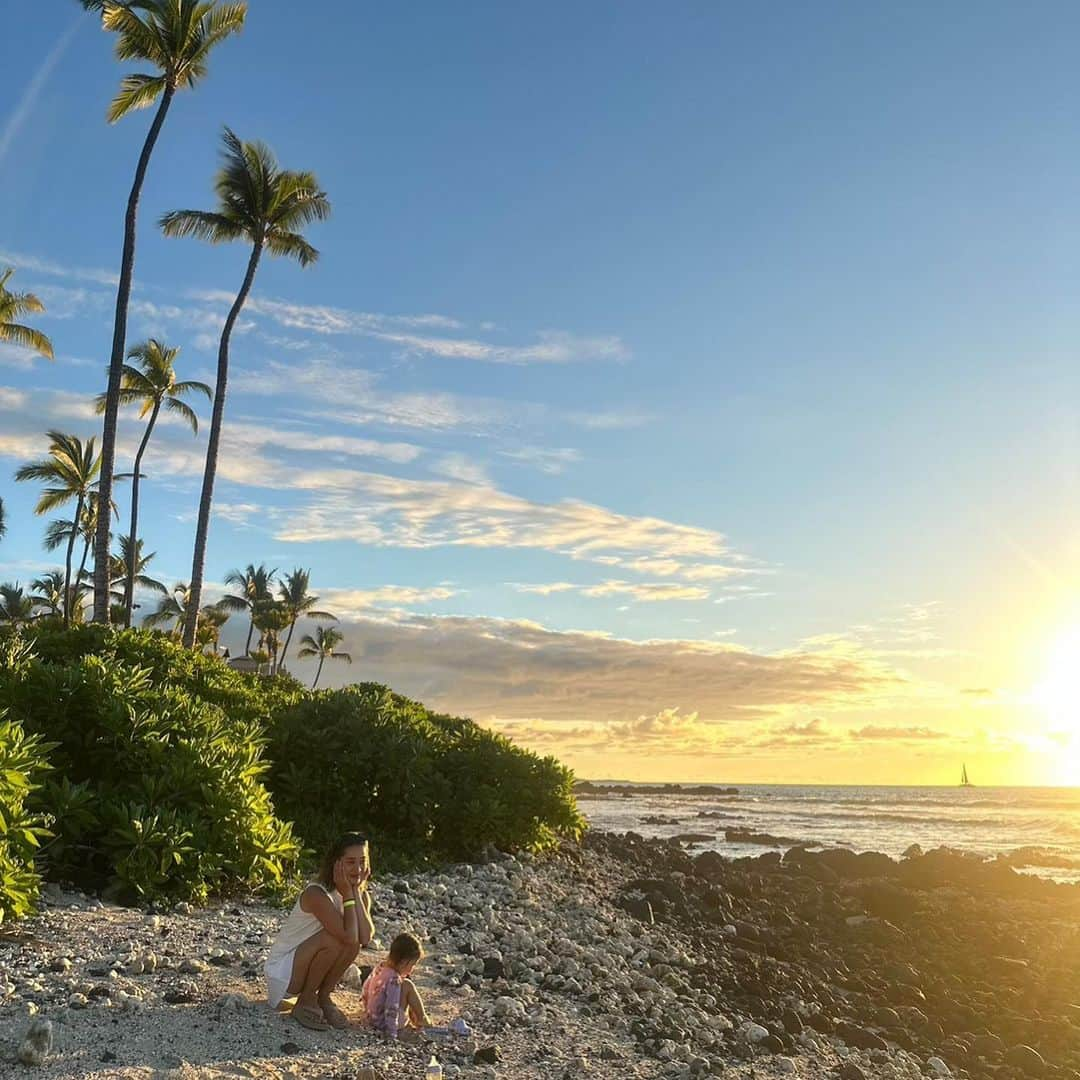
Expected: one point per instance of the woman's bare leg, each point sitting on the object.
(347, 954)
(314, 960)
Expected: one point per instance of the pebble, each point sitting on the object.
(37, 1043)
(1026, 1059)
(937, 1067)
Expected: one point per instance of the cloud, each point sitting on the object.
(29, 99)
(894, 734)
(459, 467)
(11, 398)
(552, 461)
(647, 592)
(608, 421)
(45, 266)
(546, 590)
(551, 346)
(354, 603)
(498, 670)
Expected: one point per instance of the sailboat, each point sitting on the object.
(964, 781)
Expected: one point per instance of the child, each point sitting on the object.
(390, 999)
(328, 924)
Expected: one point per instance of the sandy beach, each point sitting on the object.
(619, 958)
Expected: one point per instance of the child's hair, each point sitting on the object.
(337, 849)
(403, 949)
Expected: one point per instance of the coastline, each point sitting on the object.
(620, 957)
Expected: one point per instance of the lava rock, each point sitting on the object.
(487, 1055)
(1026, 1059)
(37, 1043)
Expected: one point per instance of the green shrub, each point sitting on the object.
(23, 759)
(159, 764)
(426, 787)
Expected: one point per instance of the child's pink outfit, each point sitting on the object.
(382, 1000)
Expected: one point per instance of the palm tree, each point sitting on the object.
(171, 608)
(298, 603)
(15, 606)
(151, 385)
(270, 619)
(70, 472)
(14, 305)
(49, 592)
(3, 523)
(130, 566)
(322, 645)
(175, 37)
(265, 205)
(253, 584)
(211, 619)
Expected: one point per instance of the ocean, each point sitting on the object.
(1036, 829)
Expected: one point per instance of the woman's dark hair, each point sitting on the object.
(337, 849)
(403, 949)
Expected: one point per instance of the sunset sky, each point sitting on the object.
(688, 390)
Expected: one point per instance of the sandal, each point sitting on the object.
(335, 1017)
(310, 1018)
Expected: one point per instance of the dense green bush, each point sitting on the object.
(159, 759)
(22, 761)
(426, 787)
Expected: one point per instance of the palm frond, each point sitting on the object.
(27, 337)
(201, 224)
(184, 411)
(136, 92)
(292, 245)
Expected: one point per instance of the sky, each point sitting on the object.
(689, 390)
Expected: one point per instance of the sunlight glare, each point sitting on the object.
(1058, 692)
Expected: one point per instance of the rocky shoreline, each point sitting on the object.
(622, 957)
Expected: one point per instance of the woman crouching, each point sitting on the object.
(328, 924)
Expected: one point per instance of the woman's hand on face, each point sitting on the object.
(341, 882)
(365, 877)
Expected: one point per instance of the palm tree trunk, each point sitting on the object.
(116, 362)
(322, 657)
(202, 530)
(67, 565)
(251, 630)
(288, 641)
(82, 564)
(133, 530)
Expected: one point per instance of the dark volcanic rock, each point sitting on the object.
(1026, 1059)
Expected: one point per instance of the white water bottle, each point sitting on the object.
(434, 1069)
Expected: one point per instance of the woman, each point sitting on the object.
(328, 924)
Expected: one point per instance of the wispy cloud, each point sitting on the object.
(53, 269)
(647, 592)
(551, 346)
(24, 107)
(551, 460)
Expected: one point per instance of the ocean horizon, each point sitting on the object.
(1035, 829)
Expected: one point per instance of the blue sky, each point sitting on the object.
(757, 327)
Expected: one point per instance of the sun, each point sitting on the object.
(1058, 692)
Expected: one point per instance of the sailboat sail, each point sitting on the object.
(964, 781)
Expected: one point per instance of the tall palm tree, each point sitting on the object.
(265, 205)
(298, 603)
(12, 307)
(3, 522)
(253, 585)
(15, 606)
(151, 385)
(69, 472)
(175, 37)
(323, 645)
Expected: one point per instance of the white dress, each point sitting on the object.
(295, 930)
